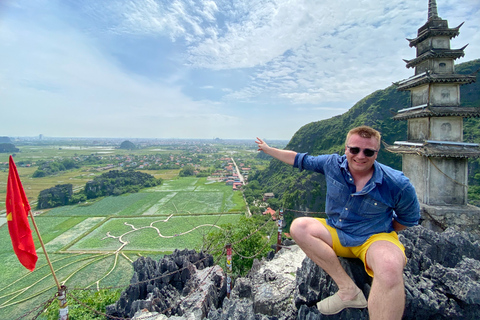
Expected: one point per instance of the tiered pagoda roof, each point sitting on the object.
(432, 111)
(433, 32)
(436, 53)
(430, 77)
(438, 149)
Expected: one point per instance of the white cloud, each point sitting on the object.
(178, 19)
(295, 50)
(333, 56)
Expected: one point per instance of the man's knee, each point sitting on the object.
(387, 263)
(304, 227)
(298, 227)
(391, 268)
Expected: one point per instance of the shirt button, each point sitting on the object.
(375, 203)
(340, 220)
(346, 209)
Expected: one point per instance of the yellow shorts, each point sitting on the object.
(361, 250)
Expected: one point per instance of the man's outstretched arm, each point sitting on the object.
(287, 156)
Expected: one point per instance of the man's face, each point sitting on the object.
(359, 163)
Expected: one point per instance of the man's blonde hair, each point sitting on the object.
(365, 132)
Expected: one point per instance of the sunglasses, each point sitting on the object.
(367, 152)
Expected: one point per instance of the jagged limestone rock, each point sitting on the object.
(267, 292)
(442, 281)
(185, 283)
(442, 278)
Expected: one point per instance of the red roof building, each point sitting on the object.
(271, 212)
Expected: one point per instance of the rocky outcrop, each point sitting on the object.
(442, 281)
(185, 282)
(267, 292)
(442, 278)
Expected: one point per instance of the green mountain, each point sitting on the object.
(305, 191)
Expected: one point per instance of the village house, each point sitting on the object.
(268, 195)
(237, 185)
(271, 212)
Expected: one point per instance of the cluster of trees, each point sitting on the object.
(112, 183)
(187, 171)
(47, 168)
(115, 182)
(60, 195)
(253, 194)
(8, 148)
(246, 239)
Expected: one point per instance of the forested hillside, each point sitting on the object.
(306, 191)
(115, 182)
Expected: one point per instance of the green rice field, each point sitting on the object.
(93, 245)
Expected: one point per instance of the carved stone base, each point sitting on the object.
(461, 217)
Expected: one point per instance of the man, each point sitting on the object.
(366, 203)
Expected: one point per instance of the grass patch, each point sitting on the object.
(149, 205)
(177, 232)
(106, 207)
(167, 174)
(204, 185)
(234, 202)
(71, 234)
(183, 184)
(195, 202)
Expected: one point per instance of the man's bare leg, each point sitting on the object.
(387, 295)
(315, 240)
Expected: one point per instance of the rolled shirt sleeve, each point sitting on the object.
(299, 161)
(304, 161)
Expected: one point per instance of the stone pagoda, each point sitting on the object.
(434, 157)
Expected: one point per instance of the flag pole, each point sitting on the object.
(61, 293)
(44, 250)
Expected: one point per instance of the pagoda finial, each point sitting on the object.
(432, 10)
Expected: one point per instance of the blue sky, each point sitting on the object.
(203, 69)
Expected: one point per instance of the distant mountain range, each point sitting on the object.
(306, 191)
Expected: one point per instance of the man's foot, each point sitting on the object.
(334, 304)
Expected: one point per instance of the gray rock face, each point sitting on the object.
(442, 281)
(183, 283)
(442, 278)
(267, 292)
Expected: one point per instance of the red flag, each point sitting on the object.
(17, 218)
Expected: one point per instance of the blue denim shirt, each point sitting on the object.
(357, 215)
